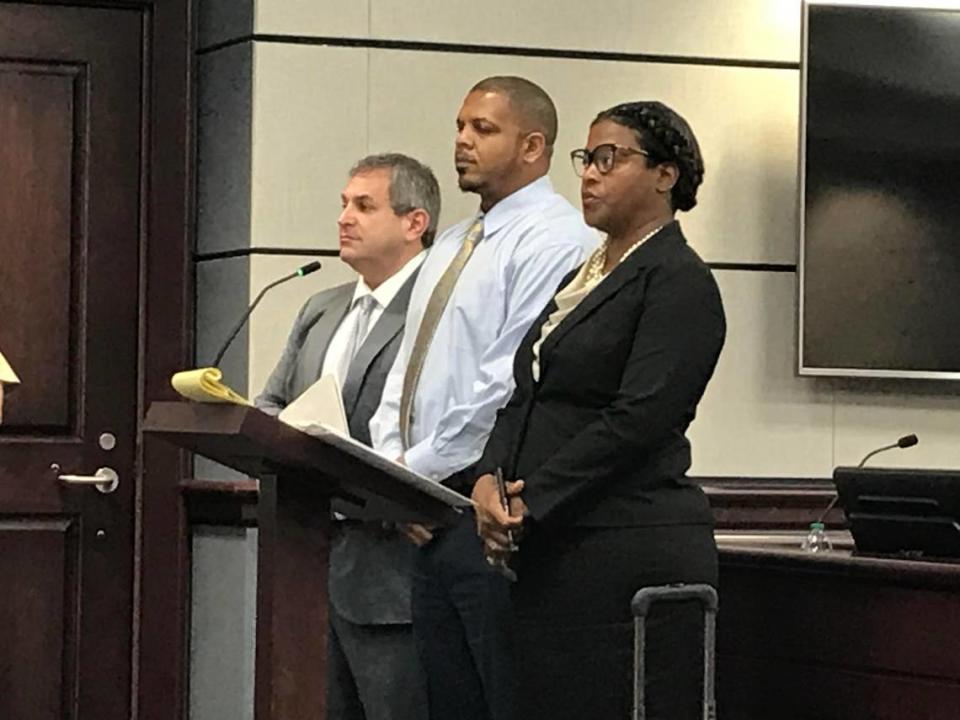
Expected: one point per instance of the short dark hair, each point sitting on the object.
(529, 100)
(668, 138)
(413, 186)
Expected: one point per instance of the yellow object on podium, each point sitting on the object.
(203, 385)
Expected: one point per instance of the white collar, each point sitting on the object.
(388, 289)
(519, 201)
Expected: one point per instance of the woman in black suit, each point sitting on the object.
(608, 380)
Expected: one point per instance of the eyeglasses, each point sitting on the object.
(603, 157)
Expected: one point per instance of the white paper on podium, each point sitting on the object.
(320, 404)
(319, 412)
(394, 469)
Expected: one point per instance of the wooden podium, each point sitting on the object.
(299, 477)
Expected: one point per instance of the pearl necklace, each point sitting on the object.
(599, 257)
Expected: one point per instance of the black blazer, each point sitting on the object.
(600, 440)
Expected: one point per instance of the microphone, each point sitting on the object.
(907, 441)
(300, 272)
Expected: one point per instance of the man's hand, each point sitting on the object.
(416, 533)
(493, 522)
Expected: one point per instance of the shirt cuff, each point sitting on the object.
(391, 449)
(422, 458)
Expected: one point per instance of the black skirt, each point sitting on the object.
(574, 628)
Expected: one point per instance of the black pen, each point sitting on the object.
(505, 504)
(500, 563)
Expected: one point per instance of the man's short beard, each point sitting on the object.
(468, 184)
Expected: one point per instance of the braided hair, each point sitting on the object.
(668, 139)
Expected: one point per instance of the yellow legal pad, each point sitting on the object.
(203, 385)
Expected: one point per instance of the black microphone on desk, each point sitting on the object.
(300, 272)
(907, 441)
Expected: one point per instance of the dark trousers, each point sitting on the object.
(574, 628)
(462, 628)
(373, 672)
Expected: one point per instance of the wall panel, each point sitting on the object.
(871, 414)
(758, 30)
(758, 418)
(309, 126)
(744, 118)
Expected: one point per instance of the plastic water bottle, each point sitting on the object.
(817, 540)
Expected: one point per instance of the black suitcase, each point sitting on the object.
(641, 604)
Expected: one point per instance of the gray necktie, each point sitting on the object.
(366, 304)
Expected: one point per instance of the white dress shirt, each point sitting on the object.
(531, 239)
(382, 297)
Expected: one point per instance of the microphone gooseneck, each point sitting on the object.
(906, 441)
(300, 272)
(875, 452)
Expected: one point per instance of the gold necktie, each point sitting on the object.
(428, 325)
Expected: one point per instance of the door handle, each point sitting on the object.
(105, 480)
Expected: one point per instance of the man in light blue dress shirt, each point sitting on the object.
(531, 238)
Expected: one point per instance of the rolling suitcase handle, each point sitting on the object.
(642, 601)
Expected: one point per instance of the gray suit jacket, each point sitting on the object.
(370, 568)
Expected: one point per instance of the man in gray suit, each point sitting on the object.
(391, 206)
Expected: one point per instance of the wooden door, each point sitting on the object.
(70, 238)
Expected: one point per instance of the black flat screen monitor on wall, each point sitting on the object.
(880, 192)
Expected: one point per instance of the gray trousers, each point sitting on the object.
(373, 672)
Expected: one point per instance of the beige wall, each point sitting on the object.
(737, 29)
(307, 110)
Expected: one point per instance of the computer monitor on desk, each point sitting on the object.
(902, 512)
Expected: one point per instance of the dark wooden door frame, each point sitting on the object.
(161, 582)
(166, 345)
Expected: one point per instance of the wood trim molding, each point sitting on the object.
(845, 565)
(162, 562)
(739, 504)
(214, 502)
(771, 503)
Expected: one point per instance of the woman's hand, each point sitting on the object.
(493, 522)
(518, 508)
